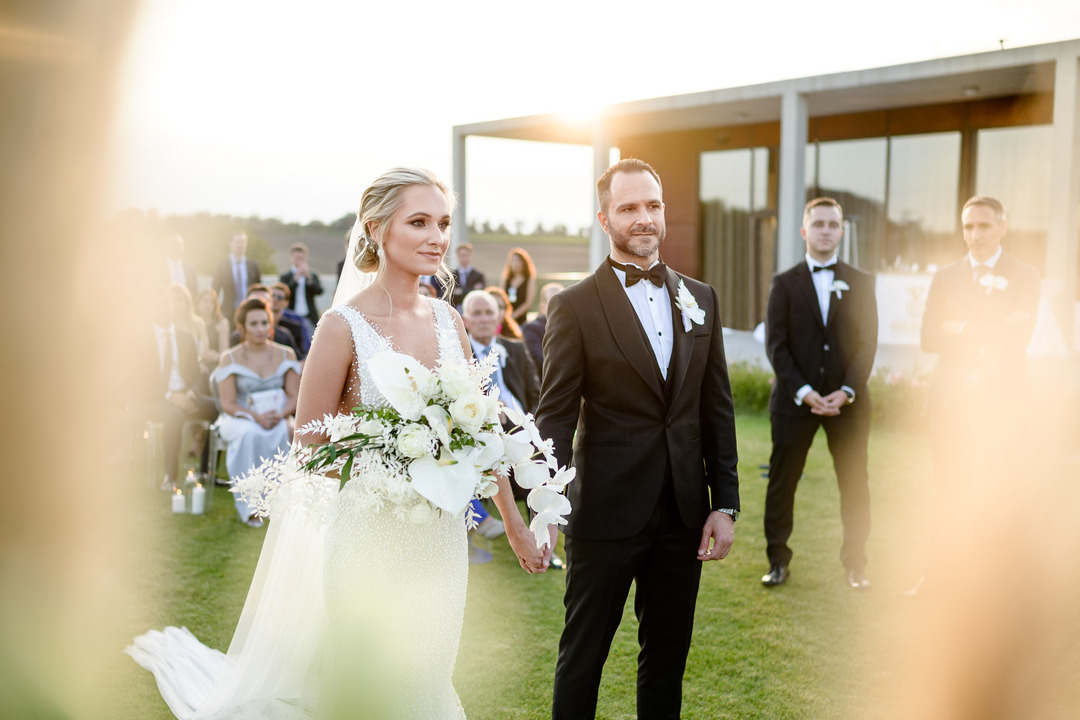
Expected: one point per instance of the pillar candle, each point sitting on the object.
(178, 502)
(198, 500)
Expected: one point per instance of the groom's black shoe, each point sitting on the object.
(777, 575)
(856, 580)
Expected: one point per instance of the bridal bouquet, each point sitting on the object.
(436, 446)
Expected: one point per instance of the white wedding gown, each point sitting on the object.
(359, 616)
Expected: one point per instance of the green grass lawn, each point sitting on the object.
(800, 651)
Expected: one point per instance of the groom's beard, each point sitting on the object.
(640, 246)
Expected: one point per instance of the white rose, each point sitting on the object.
(416, 441)
(455, 380)
(371, 428)
(469, 412)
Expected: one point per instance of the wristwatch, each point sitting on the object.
(734, 514)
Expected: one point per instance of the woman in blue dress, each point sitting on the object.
(258, 382)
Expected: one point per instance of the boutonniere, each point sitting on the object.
(686, 303)
(839, 287)
(993, 282)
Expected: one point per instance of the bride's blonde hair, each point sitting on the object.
(378, 205)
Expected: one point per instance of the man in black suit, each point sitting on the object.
(980, 313)
(635, 375)
(533, 331)
(178, 271)
(821, 335)
(234, 274)
(466, 277)
(304, 285)
(173, 395)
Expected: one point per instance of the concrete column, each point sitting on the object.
(1063, 234)
(598, 241)
(459, 229)
(794, 126)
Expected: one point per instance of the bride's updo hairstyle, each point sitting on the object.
(380, 202)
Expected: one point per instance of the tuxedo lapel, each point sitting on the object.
(626, 328)
(839, 273)
(683, 342)
(805, 282)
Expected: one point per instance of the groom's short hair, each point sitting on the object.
(626, 165)
(820, 202)
(992, 203)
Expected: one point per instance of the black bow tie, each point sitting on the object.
(825, 267)
(655, 274)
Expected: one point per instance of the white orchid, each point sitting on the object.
(551, 508)
(993, 282)
(839, 287)
(400, 379)
(530, 475)
(448, 482)
(692, 314)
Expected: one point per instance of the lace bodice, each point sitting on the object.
(367, 341)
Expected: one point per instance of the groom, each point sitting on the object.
(634, 363)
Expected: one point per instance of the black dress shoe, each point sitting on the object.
(856, 580)
(777, 575)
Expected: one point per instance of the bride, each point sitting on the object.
(359, 615)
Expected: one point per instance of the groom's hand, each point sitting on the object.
(720, 530)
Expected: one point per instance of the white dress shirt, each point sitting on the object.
(176, 380)
(653, 307)
(480, 352)
(300, 306)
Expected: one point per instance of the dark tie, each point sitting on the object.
(825, 267)
(655, 274)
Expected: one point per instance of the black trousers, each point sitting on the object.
(662, 561)
(792, 435)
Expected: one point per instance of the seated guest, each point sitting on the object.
(258, 381)
(173, 397)
(286, 318)
(184, 318)
(281, 335)
(217, 327)
(507, 326)
(533, 331)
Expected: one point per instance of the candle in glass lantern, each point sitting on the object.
(178, 501)
(198, 500)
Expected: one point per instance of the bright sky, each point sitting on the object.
(288, 110)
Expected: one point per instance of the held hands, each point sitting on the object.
(829, 405)
(523, 542)
(268, 419)
(720, 530)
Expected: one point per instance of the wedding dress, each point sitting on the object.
(388, 591)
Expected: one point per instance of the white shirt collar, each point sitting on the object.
(812, 263)
(989, 263)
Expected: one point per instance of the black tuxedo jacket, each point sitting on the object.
(992, 348)
(312, 289)
(824, 353)
(520, 374)
(474, 280)
(226, 289)
(601, 380)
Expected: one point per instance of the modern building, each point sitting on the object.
(900, 147)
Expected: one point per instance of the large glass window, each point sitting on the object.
(738, 231)
(1014, 167)
(853, 173)
(924, 183)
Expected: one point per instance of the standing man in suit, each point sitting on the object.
(234, 274)
(180, 272)
(466, 277)
(821, 336)
(304, 285)
(980, 313)
(634, 363)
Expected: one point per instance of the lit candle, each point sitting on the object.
(198, 500)
(178, 501)
(190, 477)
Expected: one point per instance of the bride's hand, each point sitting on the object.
(532, 559)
